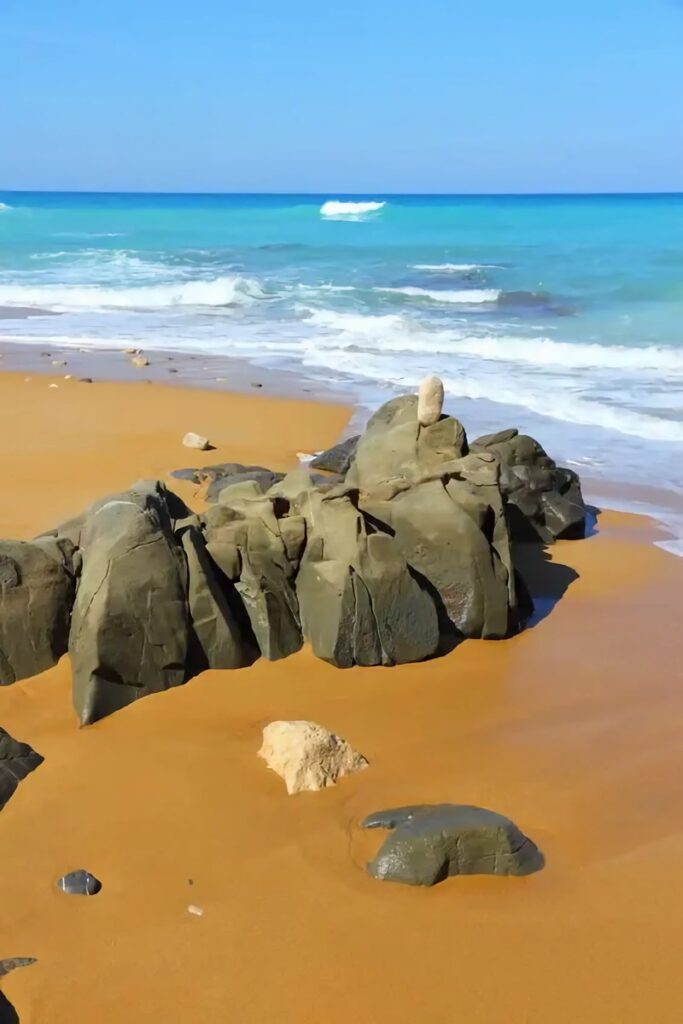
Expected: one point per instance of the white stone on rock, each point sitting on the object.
(308, 756)
(429, 401)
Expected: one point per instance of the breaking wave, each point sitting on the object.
(466, 297)
(230, 290)
(453, 268)
(337, 208)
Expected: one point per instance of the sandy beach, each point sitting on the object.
(571, 728)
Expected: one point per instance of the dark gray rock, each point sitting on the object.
(17, 760)
(338, 458)
(544, 501)
(13, 963)
(430, 843)
(8, 1015)
(130, 627)
(79, 883)
(220, 639)
(36, 596)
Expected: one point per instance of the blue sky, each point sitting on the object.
(372, 96)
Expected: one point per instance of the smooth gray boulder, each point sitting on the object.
(36, 596)
(79, 883)
(544, 501)
(338, 458)
(130, 627)
(17, 760)
(430, 843)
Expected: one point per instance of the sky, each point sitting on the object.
(368, 96)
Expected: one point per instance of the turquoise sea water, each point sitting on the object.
(562, 315)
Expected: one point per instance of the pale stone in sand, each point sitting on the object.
(140, 361)
(131, 351)
(197, 911)
(429, 401)
(308, 756)
(68, 376)
(53, 385)
(192, 440)
(59, 362)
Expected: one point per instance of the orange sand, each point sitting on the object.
(573, 729)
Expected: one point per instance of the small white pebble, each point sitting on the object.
(192, 440)
(197, 911)
(68, 376)
(53, 385)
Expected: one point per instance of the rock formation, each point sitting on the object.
(79, 883)
(428, 844)
(307, 756)
(405, 549)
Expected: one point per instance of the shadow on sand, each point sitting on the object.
(546, 581)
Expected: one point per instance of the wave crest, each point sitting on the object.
(465, 297)
(338, 208)
(222, 291)
(454, 268)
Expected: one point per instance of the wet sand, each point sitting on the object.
(573, 729)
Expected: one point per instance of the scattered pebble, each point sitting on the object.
(172, 369)
(255, 384)
(131, 351)
(85, 380)
(192, 440)
(68, 376)
(79, 883)
(53, 385)
(59, 362)
(140, 361)
(197, 911)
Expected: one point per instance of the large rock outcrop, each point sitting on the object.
(427, 844)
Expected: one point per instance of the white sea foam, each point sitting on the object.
(3, 207)
(230, 290)
(465, 297)
(453, 268)
(337, 208)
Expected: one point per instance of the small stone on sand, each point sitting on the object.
(197, 911)
(85, 380)
(140, 361)
(68, 376)
(59, 362)
(192, 440)
(53, 385)
(255, 384)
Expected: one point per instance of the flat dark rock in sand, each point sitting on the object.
(338, 458)
(13, 963)
(79, 883)
(430, 843)
(17, 760)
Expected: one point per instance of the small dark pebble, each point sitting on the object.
(190, 881)
(256, 385)
(85, 380)
(11, 963)
(79, 883)
(172, 369)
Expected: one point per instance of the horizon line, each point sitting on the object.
(335, 193)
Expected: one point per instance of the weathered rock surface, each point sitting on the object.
(544, 501)
(17, 760)
(130, 629)
(79, 883)
(430, 843)
(308, 756)
(219, 637)
(338, 458)
(36, 596)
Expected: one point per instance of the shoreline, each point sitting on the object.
(229, 375)
(570, 728)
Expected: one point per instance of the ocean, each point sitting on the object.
(561, 315)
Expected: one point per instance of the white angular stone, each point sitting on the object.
(430, 401)
(192, 440)
(308, 756)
